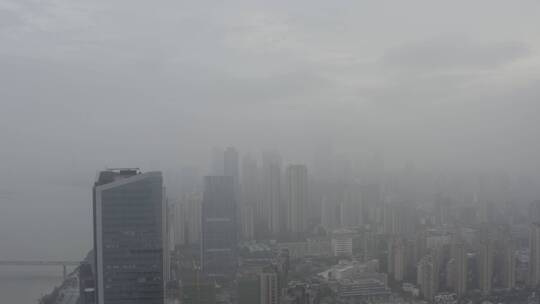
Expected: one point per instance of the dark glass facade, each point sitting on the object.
(128, 221)
(219, 227)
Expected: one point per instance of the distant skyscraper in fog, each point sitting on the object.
(371, 198)
(329, 214)
(485, 266)
(427, 277)
(231, 163)
(216, 166)
(350, 206)
(534, 212)
(269, 286)
(534, 255)
(458, 269)
(396, 259)
(130, 237)
(219, 227)
(187, 219)
(250, 196)
(297, 198)
(231, 167)
(509, 265)
(272, 209)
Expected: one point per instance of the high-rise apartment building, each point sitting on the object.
(272, 214)
(269, 286)
(131, 260)
(350, 206)
(427, 277)
(534, 211)
(370, 198)
(396, 259)
(250, 202)
(297, 198)
(509, 265)
(534, 255)
(485, 266)
(187, 219)
(219, 227)
(458, 268)
(330, 214)
(216, 165)
(390, 219)
(231, 168)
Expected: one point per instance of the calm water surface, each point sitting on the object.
(25, 284)
(41, 221)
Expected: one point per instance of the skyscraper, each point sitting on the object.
(370, 198)
(509, 265)
(534, 255)
(485, 261)
(250, 197)
(187, 219)
(269, 286)
(272, 209)
(216, 165)
(219, 227)
(231, 168)
(390, 219)
(350, 206)
(177, 229)
(396, 259)
(534, 211)
(130, 237)
(459, 268)
(427, 277)
(297, 198)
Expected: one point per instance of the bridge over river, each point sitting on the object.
(64, 264)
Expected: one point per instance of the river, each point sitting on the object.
(26, 284)
(40, 222)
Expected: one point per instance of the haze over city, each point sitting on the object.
(426, 99)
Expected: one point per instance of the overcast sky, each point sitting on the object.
(156, 84)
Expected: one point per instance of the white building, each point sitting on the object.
(342, 242)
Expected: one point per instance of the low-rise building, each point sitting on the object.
(342, 242)
(361, 281)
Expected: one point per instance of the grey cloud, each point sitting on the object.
(454, 53)
(9, 19)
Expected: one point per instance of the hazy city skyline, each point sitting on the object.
(331, 113)
(406, 83)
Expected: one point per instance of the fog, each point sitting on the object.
(425, 90)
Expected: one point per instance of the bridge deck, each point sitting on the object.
(39, 263)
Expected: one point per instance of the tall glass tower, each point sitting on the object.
(130, 237)
(219, 227)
